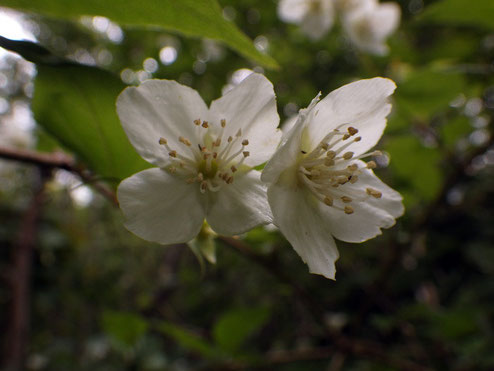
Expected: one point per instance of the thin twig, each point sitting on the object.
(341, 343)
(57, 160)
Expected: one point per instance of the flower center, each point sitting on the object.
(212, 161)
(327, 169)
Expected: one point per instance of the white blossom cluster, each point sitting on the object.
(315, 185)
(367, 23)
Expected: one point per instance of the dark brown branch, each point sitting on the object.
(341, 343)
(20, 281)
(56, 160)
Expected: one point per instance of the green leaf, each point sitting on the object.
(123, 327)
(76, 105)
(190, 341)
(454, 130)
(198, 18)
(234, 327)
(478, 13)
(420, 171)
(426, 91)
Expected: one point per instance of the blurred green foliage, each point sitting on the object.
(421, 293)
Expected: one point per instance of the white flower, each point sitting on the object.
(319, 187)
(315, 17)
(204, 158)
(369, 24)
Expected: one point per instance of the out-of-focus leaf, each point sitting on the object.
(123, 327)
(76, 105)
(234, 327)
(426, 91)
(417, 165)
(190, 341)
(31, 51)
(199, 18)
(479, 13)
(454, 130)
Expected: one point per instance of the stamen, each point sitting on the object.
(374, 193)
(245, 142)
(223, 123)
(346, 199)
(197, 122)
(233, 168)
(352, 131)
(348, 210)
(173, 153)
(205, 124)
(246, 153)
(371, 165)
(348, 155)
(328, 200)
(184, 141)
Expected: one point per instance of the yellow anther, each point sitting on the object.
(184, 141)
(173, 153)
(346, 199)
(348, 155)
(205, 124)
(353, 179)
(358, 139)
(229, 180)
(233, 168)
(163, 141)
(374, 193)
(352, 167)
(352, 130)
(371, 165)
(329, 162)
(217, 142)
(197, 122)
(245, 142)
(324, 146)
(342, 179)
(331, 154)
(229, 139)
(346, 136)
(223, 123)
(246, 153)
(328, 200)
(348, 210)
(215, 154)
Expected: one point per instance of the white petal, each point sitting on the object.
(159, 108)
(251, 107)
(391, 201)
(286, 157)
(362, 104)
(161, 208)
(299, 221)
(386, 19)
(317, 23)
(292, 11)
(289, 152)
(238, 207)
(370, 214)
(369, 28)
